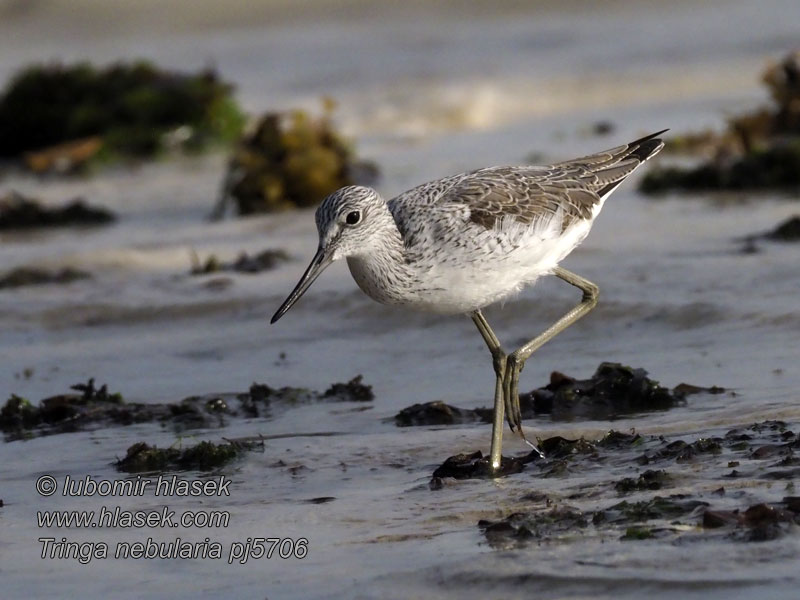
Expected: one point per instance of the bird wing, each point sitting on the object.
(485, 198)
(570, 189)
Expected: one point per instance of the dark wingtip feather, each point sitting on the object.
(641, 150)
(648, 137)
(645, 147)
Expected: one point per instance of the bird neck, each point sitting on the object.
(381, 270)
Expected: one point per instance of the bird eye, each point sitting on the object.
(352, 217)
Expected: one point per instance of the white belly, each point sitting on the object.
(467, 278)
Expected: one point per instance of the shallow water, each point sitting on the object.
(461, 90)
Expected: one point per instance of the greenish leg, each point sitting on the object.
(508, 367)
(516, 360)
(499, 364)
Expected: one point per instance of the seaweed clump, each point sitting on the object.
(58, 117)
(614, 390)
(477, 466)
(65, 411)
(520, 529)
(23, 212)
(289, 160)
(440, 413)
(23, 276)
(204, 456)
(352, 391)
(785, 231)
(580, 509)
(758, 523)
(95, 407)
(19, 413)
(758, 150)
(656, 517)
(244, 263)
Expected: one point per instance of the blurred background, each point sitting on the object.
(159, 167)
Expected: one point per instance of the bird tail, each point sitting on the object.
(646, 147)
(612, 167)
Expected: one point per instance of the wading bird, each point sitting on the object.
(458, 244)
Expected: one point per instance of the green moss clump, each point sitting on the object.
(65, 411)
(141, 457)
(655, 508)
(649, 480)
(205, 456)
(92, 394)
(290, 160)
(18, 413)
(134, 108)
(352, 391)
(758, 150)
(638, 533)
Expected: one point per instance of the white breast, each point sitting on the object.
(460, 278)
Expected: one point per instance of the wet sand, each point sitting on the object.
(678, 298)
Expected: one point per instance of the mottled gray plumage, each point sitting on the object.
(529, 193)
(462, 242)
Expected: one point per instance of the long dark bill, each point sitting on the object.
(318, 264)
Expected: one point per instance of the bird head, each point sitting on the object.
(349, 223)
